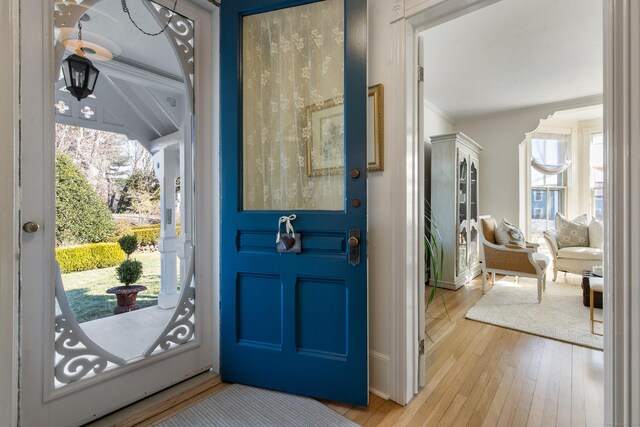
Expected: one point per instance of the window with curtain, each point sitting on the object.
(596, 167)
(549, 164)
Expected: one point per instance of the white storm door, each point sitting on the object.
(67, 375)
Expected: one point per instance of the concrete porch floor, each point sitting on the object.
(127, 335)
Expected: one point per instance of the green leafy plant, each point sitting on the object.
(81, 215)
(434, 254)
(129, 244)
(129, 271)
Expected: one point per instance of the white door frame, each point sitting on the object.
(35, 70)
(9, 214)
(622, 133)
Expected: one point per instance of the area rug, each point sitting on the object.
(239, 405)
(560, 315)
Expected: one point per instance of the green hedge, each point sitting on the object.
(149, 235)
(89, 256)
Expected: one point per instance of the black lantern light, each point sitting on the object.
(80, 75)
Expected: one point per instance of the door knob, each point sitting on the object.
(354, 246)
(31, 227)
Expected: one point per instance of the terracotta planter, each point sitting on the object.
(126, 296)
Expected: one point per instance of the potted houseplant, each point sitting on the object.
(434, 262)
(128, 272)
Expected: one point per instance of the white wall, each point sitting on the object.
(435, 121)
(500, 135)
(379, 212)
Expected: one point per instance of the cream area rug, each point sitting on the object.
(240, 405)
(560, 315)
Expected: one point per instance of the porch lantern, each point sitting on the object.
(80, 76)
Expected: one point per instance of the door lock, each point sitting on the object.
(354, 246)
(31, 227)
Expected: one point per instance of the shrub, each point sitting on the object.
(81, 216)
(123, 228)
(129, 271)
(89, 256)
(149, 234)
(129, 244)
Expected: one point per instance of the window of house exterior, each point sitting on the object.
(596, 167)
(549, 164)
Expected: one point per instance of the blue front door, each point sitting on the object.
(293, 120)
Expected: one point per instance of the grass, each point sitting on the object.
(86, 290)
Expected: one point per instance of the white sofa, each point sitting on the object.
(572, 259)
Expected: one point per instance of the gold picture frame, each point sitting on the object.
(375, 128)
(325, 148)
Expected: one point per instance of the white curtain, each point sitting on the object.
(550, 152)
(293, 78)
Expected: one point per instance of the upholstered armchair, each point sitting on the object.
(572, 259)
(509, 259)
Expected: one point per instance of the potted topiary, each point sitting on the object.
(128, 272)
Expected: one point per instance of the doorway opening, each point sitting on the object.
(491, 78)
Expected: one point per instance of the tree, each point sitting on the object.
(81, 215)
(141, 195)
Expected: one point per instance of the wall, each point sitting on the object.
(435, 121)
(379, 211)
(500, 135)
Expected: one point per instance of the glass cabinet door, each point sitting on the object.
(462, 252)
(473, 212)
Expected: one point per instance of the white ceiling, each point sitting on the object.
(514, 54)
(110, 27)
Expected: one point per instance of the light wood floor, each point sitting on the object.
(477, 375)
(483, 375)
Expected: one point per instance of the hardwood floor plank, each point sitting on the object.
(526, 394)
(578, 410)
(360, 414)
(593, 374)
(565, 359)
(538, 400)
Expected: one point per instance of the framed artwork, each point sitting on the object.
(325, 151)
(375, 128)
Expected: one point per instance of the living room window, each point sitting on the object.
(596, 167)
(549, 164)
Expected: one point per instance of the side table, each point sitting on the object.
(597, 288)
(586, 295)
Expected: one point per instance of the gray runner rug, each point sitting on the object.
(239, 405)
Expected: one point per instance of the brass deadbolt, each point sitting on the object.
(355, 173)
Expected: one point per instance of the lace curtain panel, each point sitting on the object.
(550, 153)
(293, 115)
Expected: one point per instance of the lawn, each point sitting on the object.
(86, 290)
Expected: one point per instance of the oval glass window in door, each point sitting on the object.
(124, 187)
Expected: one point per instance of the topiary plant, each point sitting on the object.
(129, 244)
(129, 271)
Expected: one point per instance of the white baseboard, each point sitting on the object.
(379, 374)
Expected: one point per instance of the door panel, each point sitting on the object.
(293, 129)
(68, 376)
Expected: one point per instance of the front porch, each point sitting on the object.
(128, 335)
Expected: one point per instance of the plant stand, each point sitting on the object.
(126, 297)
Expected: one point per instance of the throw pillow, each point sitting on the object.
(596, 234)
(509, 234)
(572, 233)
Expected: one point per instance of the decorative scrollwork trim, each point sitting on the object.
(78, 355)
(180, 328)
(181, 38)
